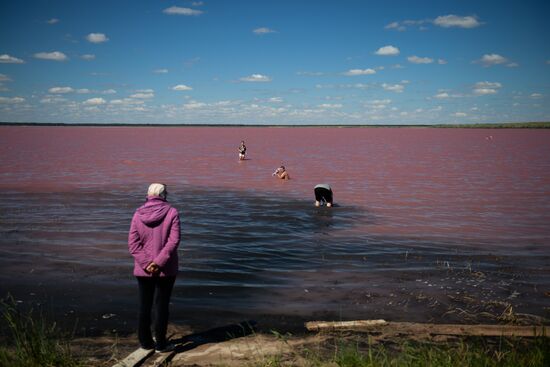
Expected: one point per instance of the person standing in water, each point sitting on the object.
(242, 151)
(323, 193)
(282, 173)
(153, 242)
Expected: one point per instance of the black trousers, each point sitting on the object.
(154, 291)
(323, 194)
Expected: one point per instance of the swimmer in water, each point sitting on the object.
(242, 151)
(282, 173)
(323, 193)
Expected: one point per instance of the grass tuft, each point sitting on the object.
(31, 340)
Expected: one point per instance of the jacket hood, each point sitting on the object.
(153, 211)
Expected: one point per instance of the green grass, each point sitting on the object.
(504, 352)
(29, 340)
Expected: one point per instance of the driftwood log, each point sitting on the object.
(431, 329)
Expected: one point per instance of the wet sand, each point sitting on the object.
(431, 225)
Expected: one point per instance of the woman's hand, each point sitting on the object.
(152, 268)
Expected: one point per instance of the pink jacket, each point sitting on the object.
(154, 237)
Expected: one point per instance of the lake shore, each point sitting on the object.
(496, 125)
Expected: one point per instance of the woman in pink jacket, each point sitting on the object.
(153, 242)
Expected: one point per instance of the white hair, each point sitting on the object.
(157, 189)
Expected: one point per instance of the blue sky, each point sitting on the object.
(274, 62)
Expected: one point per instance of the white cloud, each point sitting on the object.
(388, 50)
(486, 88)
(451, 20)
(160, 71)
(7, 59)
(51, 100)
(109, 91)
(13, 100)
(97, 38)
(4, 78)
(492, 59)
(54, 56)
(395, 25)
(145, 91)
(263, 30)
(355, 72)
(83, 91)
(378, 104)
(94, 101)
(330, 105)
(193, 105)
(60, 90)
(176, 10)
(459, 114)
(197, 3)
(143, 95)
(256, 78)
(536, 95)
(87, 57)
(420, 60)
(181, 87)
(52, 21)
(512, 65)
(275, 100)
(397, 88)
(442, 95)
(441, 61)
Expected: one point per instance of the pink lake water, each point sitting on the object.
(425, 219)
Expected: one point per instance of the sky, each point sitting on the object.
(274, 62)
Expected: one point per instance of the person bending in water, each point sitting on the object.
(242, 151)
(282, 173)
(323, 193)
(153, 242)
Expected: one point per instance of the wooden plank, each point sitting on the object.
(135, 358)
(431, 329)
(344, 325)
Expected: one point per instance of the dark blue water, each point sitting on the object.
(249, 255)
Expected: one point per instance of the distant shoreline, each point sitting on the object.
(507, 125)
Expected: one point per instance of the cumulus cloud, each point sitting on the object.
(388, 50)
(143, 95)
(160, 71)
(355, 72)
(4, 78)
(330, 105)
(256, 78)
(451, 20)
(263, 30)
(54, 56)
(420, 60)
(445, 21)
(397, 88)
(97, 38)
(176, 10)
(94, 101)
(87, 57)
(491, 59)
(181, 87)
(459, 114)
(441, 61)
(109, 91)
(486, 88)
(442, 95)
(52, 21)
(310, 73)
(12, 100)
(512, 65)
(7, 59)
(536, 95)
(378, 104)
(83, 91)
(60, 90)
